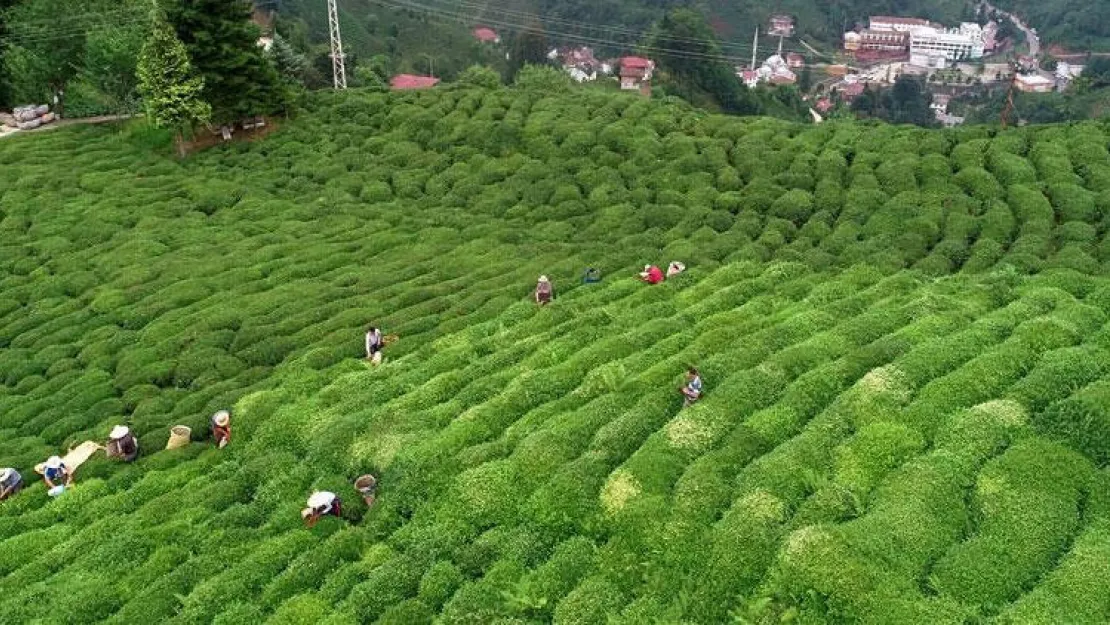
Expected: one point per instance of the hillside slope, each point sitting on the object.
(903, 335)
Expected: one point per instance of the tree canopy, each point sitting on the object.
(239, 80)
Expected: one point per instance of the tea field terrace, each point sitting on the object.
(903, 335)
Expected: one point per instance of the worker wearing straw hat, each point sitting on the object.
(220, 424)
(56, 475)
(321, 503)
(11, 482)
(122, 444)
(544, 291)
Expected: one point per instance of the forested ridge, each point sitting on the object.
(902, 334)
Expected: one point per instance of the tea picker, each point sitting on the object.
(57, 476)
(122, 444)
(544, 291)
(320, 504)
(375, 343)
(11, 482)
(651, 274)
(691, 390)
(220, 425)
(591, 276)
(367, 485)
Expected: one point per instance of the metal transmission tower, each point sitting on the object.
(338, 67)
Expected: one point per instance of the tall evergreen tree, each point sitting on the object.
(172, 93)
(239, 81)
(5, 87)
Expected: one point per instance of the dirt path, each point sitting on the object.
(61, 123)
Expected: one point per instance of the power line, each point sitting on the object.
(70, 31)
(604, 27)
(462, 18)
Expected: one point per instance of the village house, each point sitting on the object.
(1034, 83)
(404, 82)
(781, 25)
(486, 35)
(850, 90)
(636, 72)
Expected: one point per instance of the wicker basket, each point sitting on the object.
(179, 436)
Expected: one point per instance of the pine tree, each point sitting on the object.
(171, 92)
(239, 81)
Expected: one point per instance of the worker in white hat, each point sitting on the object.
(544, 291)
(11, 482)
(122, 444)
(55, 473)
(320, 503)
(220, 424)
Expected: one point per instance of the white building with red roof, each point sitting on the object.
(636, 72)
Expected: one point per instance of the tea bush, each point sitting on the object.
(902, 335)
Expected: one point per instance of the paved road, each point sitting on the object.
(1030, 37)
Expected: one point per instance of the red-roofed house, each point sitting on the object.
(851, 89)
(636, 72)
(401, 82)
(486, 35)
(750, 78)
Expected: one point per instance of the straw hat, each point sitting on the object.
(6, 474)
(53, 462)
(319, 499)
(543, 279)
(119, 432)
(222, 418)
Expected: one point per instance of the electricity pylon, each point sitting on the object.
(338, 67)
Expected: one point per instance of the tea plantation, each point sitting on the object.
(903, 334)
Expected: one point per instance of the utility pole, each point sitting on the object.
(338, 67)
(755, 47)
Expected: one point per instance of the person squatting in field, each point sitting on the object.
(544, 291)
(220, 425)
(11, 482)
(320, 504)
(691, 390)
(122, 444)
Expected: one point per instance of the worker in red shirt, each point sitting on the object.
(651, 274)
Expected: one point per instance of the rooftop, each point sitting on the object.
(486, 35)
(401, 82)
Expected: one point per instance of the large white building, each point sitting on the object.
(965, 42)
(928, 44)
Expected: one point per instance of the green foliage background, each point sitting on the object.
(902, 332)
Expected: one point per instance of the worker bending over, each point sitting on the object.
(544, 291)
(122, 444)
(320, 504)
(374, 345)
(56, 474)
(220, 425)
(651, 274)
(692, 389)
(11, 482)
